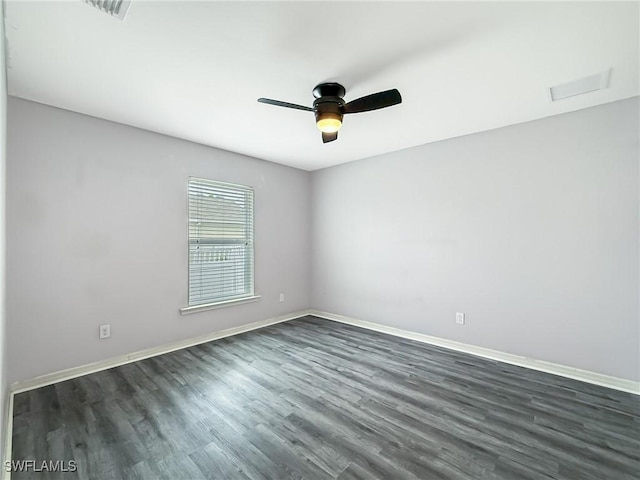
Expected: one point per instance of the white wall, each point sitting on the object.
(531, 230)
(97, 233)
(4, 385)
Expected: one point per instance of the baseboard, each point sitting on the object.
(542, 366)
(549, 367)
(8, 440)
(62, 375)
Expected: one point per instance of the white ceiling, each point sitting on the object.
(194, 70)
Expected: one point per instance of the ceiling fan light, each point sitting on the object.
(329, 122)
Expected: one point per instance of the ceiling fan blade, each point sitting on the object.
(374, 101)
(278, 103)
(329, 137)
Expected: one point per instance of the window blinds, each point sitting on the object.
(220, 241)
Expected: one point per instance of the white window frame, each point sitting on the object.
(214, 261)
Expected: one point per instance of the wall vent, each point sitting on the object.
(599, 81)
(115, 8)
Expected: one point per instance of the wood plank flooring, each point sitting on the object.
(315, 399)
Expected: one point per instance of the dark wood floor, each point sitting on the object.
(317, 399)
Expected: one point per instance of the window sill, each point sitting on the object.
(213, 306)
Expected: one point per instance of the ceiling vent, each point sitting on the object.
(599, 81)
(115, 8)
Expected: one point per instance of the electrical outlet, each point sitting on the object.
(105, 331)
(460, 318)
(282, 297)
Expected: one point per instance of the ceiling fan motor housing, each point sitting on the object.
(329, 102)
(326, 107)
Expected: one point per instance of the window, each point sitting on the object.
(220, 242)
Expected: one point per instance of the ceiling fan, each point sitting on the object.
(329, 106)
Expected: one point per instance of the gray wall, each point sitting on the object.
(97, 233)
(530, 230)
(4, 390)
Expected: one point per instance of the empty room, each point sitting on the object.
(319, 240)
